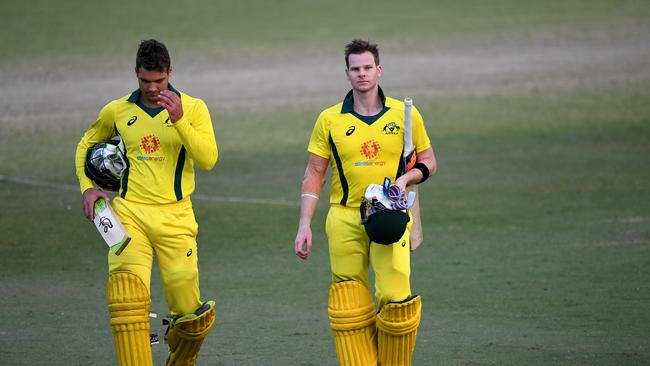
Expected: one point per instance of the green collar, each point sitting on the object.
(348, 101)
(152, 112)
(135, 96)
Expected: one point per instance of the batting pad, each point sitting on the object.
(186, 334)
(397, 326)
(128, 303)
(352, 318)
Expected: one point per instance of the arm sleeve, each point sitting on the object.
(196, 133)
(420, 137)
(319, 143)
(102, 129)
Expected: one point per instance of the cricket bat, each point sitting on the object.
(110, 227)
(410, 158)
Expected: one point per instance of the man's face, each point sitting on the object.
(151, 83)
(362, 72)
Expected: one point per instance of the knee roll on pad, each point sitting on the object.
(128, 304)
(397, 325)
(351, 313)
(186, 334)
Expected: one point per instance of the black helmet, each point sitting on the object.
(383, 226)
(384, 212)
(105, 163)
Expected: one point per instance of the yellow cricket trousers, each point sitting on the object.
(169, 231)
(352, 252)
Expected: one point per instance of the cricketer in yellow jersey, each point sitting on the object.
(165, 133)
(362, 139)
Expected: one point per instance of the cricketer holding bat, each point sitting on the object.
(165, 133)
(362, 138)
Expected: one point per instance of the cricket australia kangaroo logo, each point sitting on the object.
(370, 149)
(105, 224)
(150, 144)
(391, 128)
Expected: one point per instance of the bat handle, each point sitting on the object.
(408, 125)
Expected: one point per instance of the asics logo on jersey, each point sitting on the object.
(391, 128)
(370, 149)
(150, 144)
(350, 130)
(132, 120)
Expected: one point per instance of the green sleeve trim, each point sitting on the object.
(178, 176)
(339, 167)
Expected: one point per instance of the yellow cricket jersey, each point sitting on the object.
(160, 155)
(363, 150)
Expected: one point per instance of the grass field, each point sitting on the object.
(537, 225)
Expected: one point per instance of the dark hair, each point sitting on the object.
(357, 47)
(152, 55)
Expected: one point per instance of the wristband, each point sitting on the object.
(307, 194)
(424, 169)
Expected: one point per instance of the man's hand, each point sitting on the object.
(312, 184)
(401, 182)
(172, 103)
(303, 242)
(88, 199)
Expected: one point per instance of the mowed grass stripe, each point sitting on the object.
(201, 197)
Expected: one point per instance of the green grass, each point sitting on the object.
(536, 253)
(67, 34)
(537, 235)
